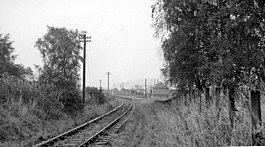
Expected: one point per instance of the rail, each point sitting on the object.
(96, 135)
(60, 136)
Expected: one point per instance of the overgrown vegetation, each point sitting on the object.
(218, 44)
(30, 112)
(7, 58)
(186, 124)
(96, 95)
(34, 108)
(61, 55)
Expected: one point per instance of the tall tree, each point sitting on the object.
(60, 50)
(224, 39)
(6, 49)
(186, 41)
(7, 59)
(215, 41)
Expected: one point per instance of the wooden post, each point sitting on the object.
(231, 105)
(207, 95)
(193, 95)
(231, 111)
(200, 100)
(217, 103)
(250, 117)
(255, 112)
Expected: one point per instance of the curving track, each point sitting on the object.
(103, 135)
(88, 132)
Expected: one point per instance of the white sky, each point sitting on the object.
(121, 32)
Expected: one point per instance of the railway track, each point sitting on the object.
(90, 131)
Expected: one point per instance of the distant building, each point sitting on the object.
(160, 90)
(133, 91)
(114, 91)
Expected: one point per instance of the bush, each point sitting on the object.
(95, 95)
(71, 101)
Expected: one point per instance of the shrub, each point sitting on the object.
(71, 101)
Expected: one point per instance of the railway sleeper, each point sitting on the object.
(95, 138)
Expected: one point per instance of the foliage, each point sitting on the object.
(60, 50)
(220, 42)
(184, 124)
(6, 49)
(30, 110)
(7, 59)
(71, 101)
(96, 94)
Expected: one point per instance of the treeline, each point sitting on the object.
(52, 93)
(60, 51)
(217, 43)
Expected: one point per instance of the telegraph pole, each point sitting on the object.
(108, 73)
(83, 38)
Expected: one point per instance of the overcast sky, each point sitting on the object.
(122, 41)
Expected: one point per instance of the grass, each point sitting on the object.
(26, 130)
(21, 113)
(186, 125)
(179, 123)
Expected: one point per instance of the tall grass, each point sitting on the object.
(16, 94)
(30, 112)
(20, 111)
(186, 125)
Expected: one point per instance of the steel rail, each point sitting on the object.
(74, 130)
(96, 135)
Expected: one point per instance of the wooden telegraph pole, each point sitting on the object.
(108, 73)
(83, 38)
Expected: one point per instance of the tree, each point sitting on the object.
(186, 44)
(6, 49)
(60, 50)
(7, 58)
(200, 37)
(216, 42)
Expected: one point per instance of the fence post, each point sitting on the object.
(217, 102)
(207, 95)
(250, 117)
(231, 105)
(255, 112)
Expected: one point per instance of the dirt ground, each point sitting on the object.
(143, 128)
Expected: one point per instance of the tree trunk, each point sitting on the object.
(200, 100)
(231, 105)
(193, 95)
(207, 95)
(255, 112)
(217, 104)
(190, 96)
(43, 127)
(185, 98)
